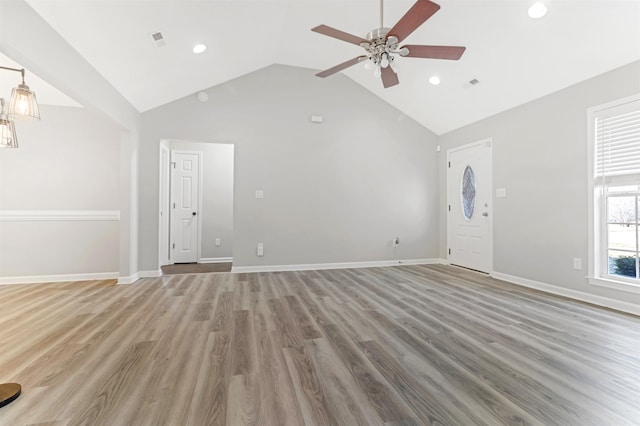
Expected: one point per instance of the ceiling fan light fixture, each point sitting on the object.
(384, 60)
(381, 44)
(537, 10)
(368, 65)
(434, 79)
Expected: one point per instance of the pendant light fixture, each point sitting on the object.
(8, 137)
(22, 105)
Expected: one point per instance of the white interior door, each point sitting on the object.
(469, 200)
(185, 195)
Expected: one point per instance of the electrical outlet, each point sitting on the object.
(218, 242)
(396, 241)
(577, 263)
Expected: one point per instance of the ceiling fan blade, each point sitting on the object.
(416, 16)
(434, 52)
(340, 67)
(340, 35)
(389, 78)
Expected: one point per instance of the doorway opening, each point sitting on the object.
(195, 206)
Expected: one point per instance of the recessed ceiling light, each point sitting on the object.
(537, 10)
(435, 80)
(199, 48)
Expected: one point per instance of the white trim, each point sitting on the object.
(618, 285)
(614, 103)
(573, 294)
(58, 215)
(597, 263)
(345, 265)
(216, 260)
(58, 278)
(164, 223)
(150, 274)
(129, 280)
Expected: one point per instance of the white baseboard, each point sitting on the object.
(216, 260)
(58, 278)
(150, 274)
(618, 305)
(320, 266)
(128, 279)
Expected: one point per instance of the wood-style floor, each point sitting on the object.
(196, 268)
(408, 345)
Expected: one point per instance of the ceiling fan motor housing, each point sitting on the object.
(381, 45)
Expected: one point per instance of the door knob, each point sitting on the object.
(485, 214)
(193, 214)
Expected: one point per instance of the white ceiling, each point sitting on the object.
(516, 59)
(45, 93)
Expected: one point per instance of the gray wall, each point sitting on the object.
(70, 160)
(540, 157)
(216, 212)
(334, 192)
(45, 53)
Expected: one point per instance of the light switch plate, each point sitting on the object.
(259, 193)
(577, 263)
(501, 192)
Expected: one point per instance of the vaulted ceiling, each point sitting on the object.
(515, 58)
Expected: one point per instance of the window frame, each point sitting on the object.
(597, 208)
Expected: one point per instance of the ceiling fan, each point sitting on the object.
(381, 44)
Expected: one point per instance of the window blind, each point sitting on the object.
(618, 140)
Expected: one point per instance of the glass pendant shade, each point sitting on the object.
(23, 103)
(8, 138)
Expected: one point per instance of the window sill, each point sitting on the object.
(618, 285)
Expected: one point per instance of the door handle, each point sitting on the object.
(193, 214)
(485, 214)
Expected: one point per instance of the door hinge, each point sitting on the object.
(449, 250)
(174, 246)
(449, 164)
(174, 205)
(173, 164)
(449, 207)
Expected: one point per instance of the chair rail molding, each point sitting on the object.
(59, 215)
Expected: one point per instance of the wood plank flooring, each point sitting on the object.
(196, 268)
(407, 345)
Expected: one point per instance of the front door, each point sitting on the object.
(469, 200)
(185, 184)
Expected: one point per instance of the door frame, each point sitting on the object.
(487, 142)
(165, 144)
(164, 190)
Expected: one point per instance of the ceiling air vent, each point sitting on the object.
(474, 81)
(158, 39)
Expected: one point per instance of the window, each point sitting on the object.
(614, 164)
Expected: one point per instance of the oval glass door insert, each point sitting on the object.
(468, 192)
